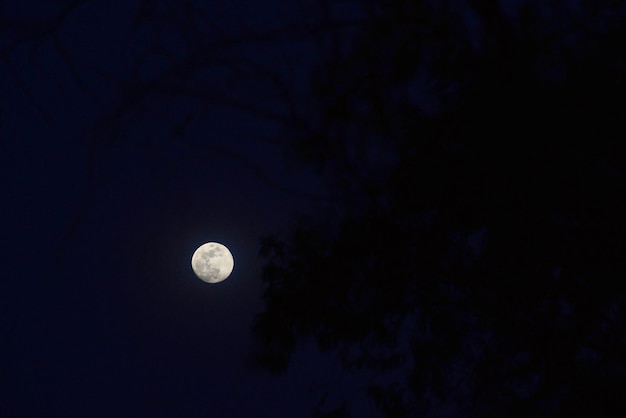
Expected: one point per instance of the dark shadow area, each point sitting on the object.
(475, 261)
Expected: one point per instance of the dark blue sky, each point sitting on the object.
(131, 132)
(101, 312)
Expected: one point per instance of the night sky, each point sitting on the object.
(132, 132)
(101, 312)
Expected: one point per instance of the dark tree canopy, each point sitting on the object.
(478, 247)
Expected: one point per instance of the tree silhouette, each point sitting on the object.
(477, 254)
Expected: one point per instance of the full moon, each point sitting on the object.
(212, 262)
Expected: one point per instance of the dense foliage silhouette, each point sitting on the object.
(476, 257)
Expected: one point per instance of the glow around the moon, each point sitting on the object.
(212, 262)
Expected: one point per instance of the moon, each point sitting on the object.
(212, 262)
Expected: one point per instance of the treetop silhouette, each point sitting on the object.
(478, 248)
